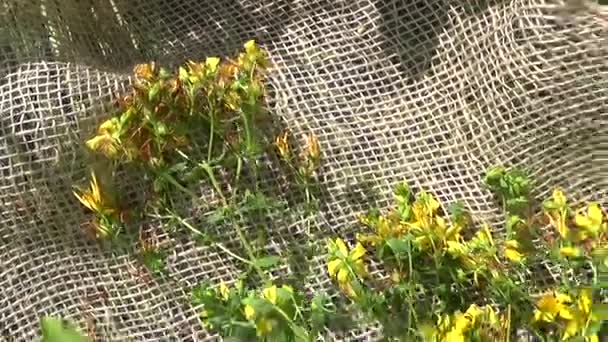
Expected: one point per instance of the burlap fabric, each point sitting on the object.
(429, 91)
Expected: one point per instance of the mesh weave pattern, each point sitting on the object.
(429, 91)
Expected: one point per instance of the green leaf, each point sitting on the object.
(550, 205)
(164, 73)
(160, 128)
(56, 330)
(457, 211)
(403, 194)
(516, 203)
(154, 261)
(513, 221)
(494, 174)
(267, 262)
(300, 333)
(153, 92)
(399, 247)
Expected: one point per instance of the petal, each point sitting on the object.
(343, 276)
(571, 329)
(84, 200)
(584, 301)
(566, 313)
(212, 63)
(270, 293)
(582, 221)
(432, 203)
(95, 190)
(440, 223)
(349, 291)
(559, 197)
(455, 248)
(250, 46)
(249, 312)
(333, 267)
(594, 212)
(224, 291)
(512, 244)
(359, 268)
(563, 298)
(513, 255)
(342, 247)
(358, 252)
(569, 251)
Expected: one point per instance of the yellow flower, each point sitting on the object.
(591, 221)
(511, 251)
(333, 267)
(109, 126)
(584, 301)
(342, 247)
(456, 248)
(559, 198)
(94, 199)
(344, 265)
(385, 228)
(224, 291)
(211, 63)
(559, 215)
(425, 206)
(250, 46)
(270, 293)
(551, 306)
(582, 317)
(570, 251)
(454, 336)
(281, 142)
(103, 143)
(249, 312)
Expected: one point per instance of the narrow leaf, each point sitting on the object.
(56, 330)
(267, 262)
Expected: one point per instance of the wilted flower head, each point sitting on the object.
(94, 199)
(312, 153)
(145, 72)
(281, 142)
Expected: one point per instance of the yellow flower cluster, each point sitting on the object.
(310, 159)
(459, 327)
(102, 205)
(150, 123)
(279, 297)
(430, 230)
(581, 234)
(346, 265)
(573, 318)
(587, 226)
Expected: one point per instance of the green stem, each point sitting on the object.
(237, 227)
(180, 187)
(237, 178)
(247, 130)
(409, 292)
(211, 134)
(289, 320)
(219, 245)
